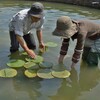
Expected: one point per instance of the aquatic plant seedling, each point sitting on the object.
(8, 73)
(16, 63)
(30, 73)
(51, 44)
(60, 74)
(44, 73)
(46, 64)
(38, 59)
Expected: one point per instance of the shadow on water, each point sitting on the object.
(84, 82)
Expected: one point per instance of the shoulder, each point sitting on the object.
(21, 15)
(23, 12)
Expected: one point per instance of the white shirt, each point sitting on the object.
(21, 23)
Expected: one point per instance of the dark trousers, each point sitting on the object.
(29, 39)
(90, 57)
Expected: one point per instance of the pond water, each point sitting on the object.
(84, 82)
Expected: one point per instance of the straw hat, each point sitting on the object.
(65, 27)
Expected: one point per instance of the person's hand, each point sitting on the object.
(42, 46)
(31, 53)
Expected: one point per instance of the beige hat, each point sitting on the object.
(65, 27)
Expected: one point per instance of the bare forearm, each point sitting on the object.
(39, 36)
(22, 43)
(25, 47)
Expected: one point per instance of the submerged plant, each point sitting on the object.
(46, 65)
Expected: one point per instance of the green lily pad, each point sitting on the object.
(51, 44)
(44, 73)
(24, 53)
(60, 74)
(38, 59)
(16, 63)
(30, 73)
(29, 64)
(46, 65)
(8, 72)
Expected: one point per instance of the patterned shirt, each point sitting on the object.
(86, 30)
(22, 24)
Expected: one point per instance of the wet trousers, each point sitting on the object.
(92, 58)
(91, 51)
(29, 39)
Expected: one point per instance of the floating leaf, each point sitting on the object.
(51, 44)
(16, 63)
(8, 72)
(29, 64)
(30, 73)
(38, 59)
(46, 65)
(44, 73)
(61, 74)
(24, 53)
(59, 67)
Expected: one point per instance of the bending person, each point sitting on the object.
(87, 34)
(20, 29)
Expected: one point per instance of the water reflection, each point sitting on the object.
(27, 86)
(82, 80)
(73, 87)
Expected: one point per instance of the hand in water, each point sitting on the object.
(42, 47)
(31, 53)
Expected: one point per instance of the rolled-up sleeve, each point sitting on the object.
(64, 47)
(78, 49)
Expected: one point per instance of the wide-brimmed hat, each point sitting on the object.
(36, 10)
(64, 27)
